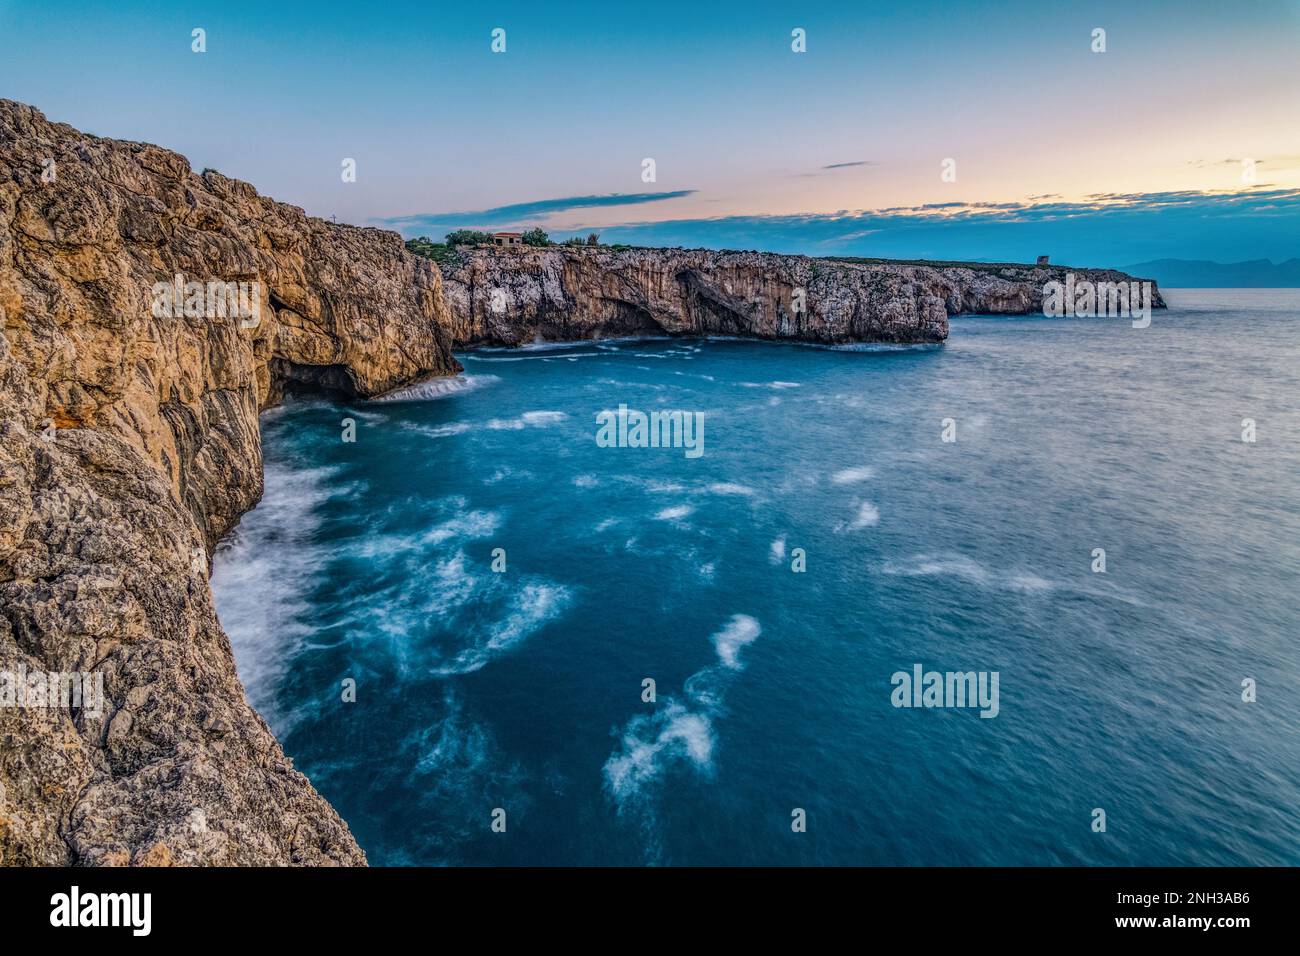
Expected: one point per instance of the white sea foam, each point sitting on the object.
(472, 524)
(615, 383)
(848, 476)
(868, 515)
(778, 550)
(732, 488)
(439, 388)
(875, 346)
(453, 746)
(262, 576)
(527, 420)
(373, 418)
(675, 513)
(537, 345)
(438, 431)
(741, 631)
(776, 385)
(506, 473)
(656, 486)
(533, 606)
(528, 358)
(966, 569)
(650, 742)
(678, 730)
(469, 524)
(445, 614)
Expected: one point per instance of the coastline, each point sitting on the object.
(132, 446)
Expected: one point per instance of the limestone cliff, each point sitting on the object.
(128, 444)
(559, 293)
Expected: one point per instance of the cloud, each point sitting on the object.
(1291, 161)
(518, 213)
(859, 162)
(1101, 229)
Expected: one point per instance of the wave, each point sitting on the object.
(876, 346)
(675, 513)
(868, 516)
(506, 473)
(775, 385)
(532, 607)
(848, 476)
(539, 419)
(537, 346)
(438, 431)
(617, 383)
(651, 741)
(678, 730)
(655, 485)
(966, 569)
(380, 545)
(741, 631)
(732, 488)
(436, 388)
(262, 581)
(527, 420)
(528, 358)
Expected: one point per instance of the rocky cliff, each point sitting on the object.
(128, 445)
(149, 314)
(516, 296)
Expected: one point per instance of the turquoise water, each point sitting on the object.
(522, 690)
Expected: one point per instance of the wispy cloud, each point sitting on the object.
(858, 162)
(523, 213)
(1279, 162)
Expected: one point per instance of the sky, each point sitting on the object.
(1096, 158)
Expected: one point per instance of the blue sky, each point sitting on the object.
(1095, 158)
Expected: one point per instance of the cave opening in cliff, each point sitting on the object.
(294, 378)
(625, 319)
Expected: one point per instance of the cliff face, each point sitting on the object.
(516, 296)
(128, 444)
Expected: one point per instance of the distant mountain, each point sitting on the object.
(1203, 274)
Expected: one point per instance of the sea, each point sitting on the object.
(1026, 598)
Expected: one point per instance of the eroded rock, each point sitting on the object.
(128, 445)
(563, 293)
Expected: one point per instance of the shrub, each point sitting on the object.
(536, 237)
(440, 252)
(468, 237)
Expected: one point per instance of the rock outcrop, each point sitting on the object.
(560, 293)
(128, 445)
